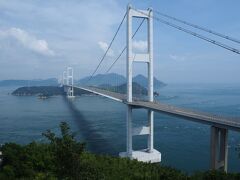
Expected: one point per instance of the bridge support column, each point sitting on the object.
(219, 148)
(150, 81)
(129, 131)
(145, 155)
(151, 129)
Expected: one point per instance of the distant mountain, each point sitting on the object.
(113, 79)
(35, 82)
(137, 88)
(143, 81)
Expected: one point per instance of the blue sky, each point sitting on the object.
(38, 39)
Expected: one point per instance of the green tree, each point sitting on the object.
(65, 158)
(25, 161)
(66, 152)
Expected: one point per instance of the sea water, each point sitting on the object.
(101, 122)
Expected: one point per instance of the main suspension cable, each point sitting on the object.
(118, 57)
(107, 48)
(192, 33)
(199, 27)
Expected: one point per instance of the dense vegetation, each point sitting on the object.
(143, 81)
(34, 90)
(45, 90)
(136, 88)
(56, 90)
(65, 158)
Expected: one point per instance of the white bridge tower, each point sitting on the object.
(64, 78)
(149, 154)
(70, 82)
(67, 82)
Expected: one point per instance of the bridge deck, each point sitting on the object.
(206, 118)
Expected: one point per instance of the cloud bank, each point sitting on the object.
(28, 41)
(104, 47)
(140, 45)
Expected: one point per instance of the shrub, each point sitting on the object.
(65, 158)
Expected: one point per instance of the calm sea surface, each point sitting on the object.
(101, 123)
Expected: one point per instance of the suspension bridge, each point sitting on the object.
(219, 125)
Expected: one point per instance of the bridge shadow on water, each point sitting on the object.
(94, 140)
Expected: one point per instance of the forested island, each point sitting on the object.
(46, 91)
(62, 157)
(35, 90)
(56, 90)
(111, 82)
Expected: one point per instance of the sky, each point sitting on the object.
(40, 38)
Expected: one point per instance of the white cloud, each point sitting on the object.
(70, 28)
(104, 47)
(28, 41)
(177, 58)
(140, 45)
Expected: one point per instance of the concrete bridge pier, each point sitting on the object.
(219, 148)
(129, 131)
(145, 155)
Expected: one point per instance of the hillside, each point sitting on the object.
(66, 158)
(137, 89)
(35, 90)
(143, 81)
(45, 90)
(114, 79)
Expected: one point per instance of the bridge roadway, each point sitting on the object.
(192, 115)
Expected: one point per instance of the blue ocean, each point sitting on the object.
(101, 122)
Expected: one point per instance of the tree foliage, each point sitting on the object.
(65, 158)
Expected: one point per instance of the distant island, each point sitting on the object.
(98, 80)
(36, 90)
(114, 79)
(137, 89)
(45, 91)
(122, 89)
(111, 82)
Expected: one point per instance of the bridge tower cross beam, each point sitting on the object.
(219, 148)
(149, 154)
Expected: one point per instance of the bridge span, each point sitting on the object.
(219, 125)
(188, 114)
